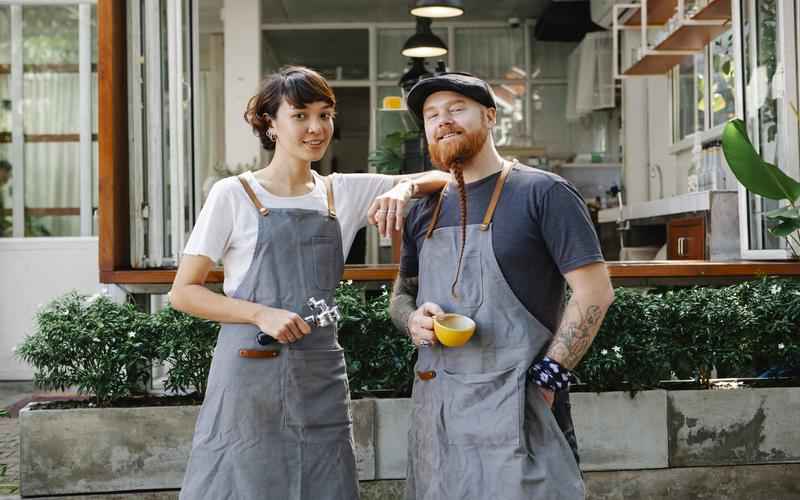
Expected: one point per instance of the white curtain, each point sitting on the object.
(52, 169)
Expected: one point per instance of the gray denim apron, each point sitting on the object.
(479, 431)
(276, 422)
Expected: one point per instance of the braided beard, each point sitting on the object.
(450, 156)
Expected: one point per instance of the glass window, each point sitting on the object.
(760, 61)
(510, 128)
(336, 54)
(491, 53)
(689, 94)
(548, 59)
(550, 127)
(723, 86)
(5, 123)
(391, 63)
(50, 120)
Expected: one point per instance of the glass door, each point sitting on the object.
(768, 91)
(162, 79)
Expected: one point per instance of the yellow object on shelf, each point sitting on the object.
(392, 102)
(453, 330)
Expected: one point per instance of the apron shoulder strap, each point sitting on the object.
(249, 190)
(498, 189)
(329, 188)
(436, 211)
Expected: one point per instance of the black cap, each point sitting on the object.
(462, 83)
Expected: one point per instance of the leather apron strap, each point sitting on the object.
(329, 188)
(487, 218)
(253, 198)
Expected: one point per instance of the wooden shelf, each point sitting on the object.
(653, 65)
(658, 13)
(692, 37)
(687, 37)
(717, 10)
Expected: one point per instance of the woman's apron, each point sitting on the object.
(479, 431)
(276, 422)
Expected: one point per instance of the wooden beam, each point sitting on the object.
(113, 205)
(617, 270)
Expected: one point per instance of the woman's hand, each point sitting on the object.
(387, 210)
(284, 326)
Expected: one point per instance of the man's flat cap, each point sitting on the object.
(462, 83)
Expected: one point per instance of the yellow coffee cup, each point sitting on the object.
(453, 330)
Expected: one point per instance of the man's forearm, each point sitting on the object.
(403, 301)
(582, 319)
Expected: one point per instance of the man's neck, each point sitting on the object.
(487, 162)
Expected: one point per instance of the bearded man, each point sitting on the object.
(496, 245)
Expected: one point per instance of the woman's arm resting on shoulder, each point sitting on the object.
(387, 210)
(190, 295)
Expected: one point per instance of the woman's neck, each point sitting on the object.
(286, 176)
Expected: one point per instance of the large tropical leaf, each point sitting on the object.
(755, 174)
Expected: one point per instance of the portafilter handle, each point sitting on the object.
(322, 316)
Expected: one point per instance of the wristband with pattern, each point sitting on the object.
(549, 374)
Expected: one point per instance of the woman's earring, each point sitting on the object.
(272, 136)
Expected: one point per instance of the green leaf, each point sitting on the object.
(755, 174)
(783, 213)
(785, 227)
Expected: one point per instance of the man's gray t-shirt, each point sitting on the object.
(541, 230)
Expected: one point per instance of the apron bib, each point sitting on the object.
(479, 430)
(276, 421)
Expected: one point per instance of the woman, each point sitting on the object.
(275, 422)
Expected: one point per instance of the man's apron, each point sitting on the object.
(479, 431)
(276, 422)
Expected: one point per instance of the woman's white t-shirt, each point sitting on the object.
(227, 227)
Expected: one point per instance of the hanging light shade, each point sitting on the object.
(424, 43)
(436, 8)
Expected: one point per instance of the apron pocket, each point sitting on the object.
(317, 393)
(470, 285)
(325, 275)
(482, 409)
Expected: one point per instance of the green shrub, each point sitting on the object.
(379, 358)
(90, 343)
(186, 344)
(648, 336)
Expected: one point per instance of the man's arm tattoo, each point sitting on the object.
(403, 301)
(576, 333)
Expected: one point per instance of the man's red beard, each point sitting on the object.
(451, 154)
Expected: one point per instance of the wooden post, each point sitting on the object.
(114, 210)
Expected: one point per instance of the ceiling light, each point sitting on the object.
(436, 8)
(424, 43)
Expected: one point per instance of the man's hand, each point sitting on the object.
(420, 324)
(387, 210)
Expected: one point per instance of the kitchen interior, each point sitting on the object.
(626, 100)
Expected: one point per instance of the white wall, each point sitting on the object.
(242, 23)
(35, 271)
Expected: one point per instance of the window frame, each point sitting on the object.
(85, 103)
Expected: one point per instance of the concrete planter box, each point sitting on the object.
(137, 449)
(742, 426)
(102, 450)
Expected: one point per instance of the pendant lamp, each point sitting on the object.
(424, 43)
(436, 8)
